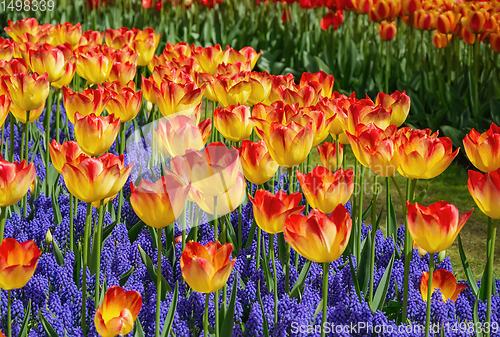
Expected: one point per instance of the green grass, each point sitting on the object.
(450, 186)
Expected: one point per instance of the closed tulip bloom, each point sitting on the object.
(485, 190)
(206, 268)
(67, 33)
(15, 181)
(376, 149)
(270, 211)
(328, 155)
(122, 71)
(467, 37)
(443, 280)
(325, 190)
(4, 109)
(246, 89)
(434, 228)
(125, 105)
(50, 61)
(209, 58)
(256, 161)
(495, 42)
(410, 6)
(441, 40)
(226, 202)
(118, 312)
(67, 153)
(95, 179)
(365, 114)
(27, 92)
(475, 22)
(17, 65)
(90, 101)
(181, 133)
(317, 237)
(447, 22)
(67, 77)
(289, 144)
(233, 122)
(424, 20)
(177, 98)
(321, 77)
(305, 96)
(483, 149)
(94, 66)
(159, 204)
(399, 102)
(96, 134)
(425, 157)
(17, 263)
(214, 170)
(146, 49)
(387, 30)
(364, 6)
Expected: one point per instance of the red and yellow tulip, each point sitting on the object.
(125, 105)
(233, 122)
(67, 153)
(206, 268)
(4, 109)
(443, 280)
(48, 60)
(175, 98)
(328, 155)
(399, 102)
(90, 101)
(17, 263)
(317, 237)
(485, 190)
(96, 134)
(15, 181)
(483, 149)
(27, 92)
(256, 161)
(94, 65)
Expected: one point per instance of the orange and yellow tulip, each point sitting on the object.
(270, 211)
(325, 190)
(94, 65)
(90, 101)
(48, 60)
(175, 98)
(409, 7)
(206, 268)
(399, 102)
(6, 49)
(27, 92)
(66, 33)
(317, 237)
(118, 312)
(4, 109)
(485, 190)
(245, 88)
(256, 161)
(95, 179)
(68, 152)
(321, 77)
(443, 280)
(15, 181)
(483, 149)
(17, 263)
(328, 155)
(158, 204)
(434, 228)
(67, 77)
(233, 122)
(125, 105)
(209, 58)
(425, 157)
(181, 133)
(122, 71)
(14, 66)
(96, 134)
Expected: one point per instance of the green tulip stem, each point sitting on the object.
(216, 313)
(183, 221)
(205, 316)
(48, 115)
(360, 211)
(86, 238)
(215, 219)
(26, 134)
(9, 314)
(275, 284)
(257, 260)
(2, 142)
(325, 296)
(71, 226)
(374, 232)
(287, 250)
(11, 137)
(429, 295)
(337, 149)
(408, 252)
(3, 219)
(492, 232)
(99, 248)
(122, 150)
(58, 115)
(388, 203)
(158, 285)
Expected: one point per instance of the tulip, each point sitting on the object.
(4, 109)
(317, 237)
(447, 22)
(91, 38)
(94, 66)
(16, 30)
(50, 61)
(365, 114)
(321, 77)
(177, 98)
(67, 77)
(90, 101)
(332, 18)
(434, 228)
(483, 149)
(6, 49)
(125, 105)
(17, 263)
(206, 268)
(289, 144)
(95, 179)
(214, 170)
(181, 133)
(256, 161)
(27, 92)
(425, 157)
(410, 6)
(96, 134)
(441, 40)
(443, 280)
(328, 155)
(399, 102)
(67, 33)
(475, 22)
(226, 202)
(376, 148)
(305, 96)
(246, 88)
(387, 30)
(424, 20)
(158, 204)
(270, 211)
(209, 58)
(15, 181)
(17, 65)
(123, 72)
(325, 190)
(146, 49)
(116, 87)
(485, 190)
(495, 42)
(67, 153)
(233, 122)
(118, 312)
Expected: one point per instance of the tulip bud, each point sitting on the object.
(48, 238)
(387, 30)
